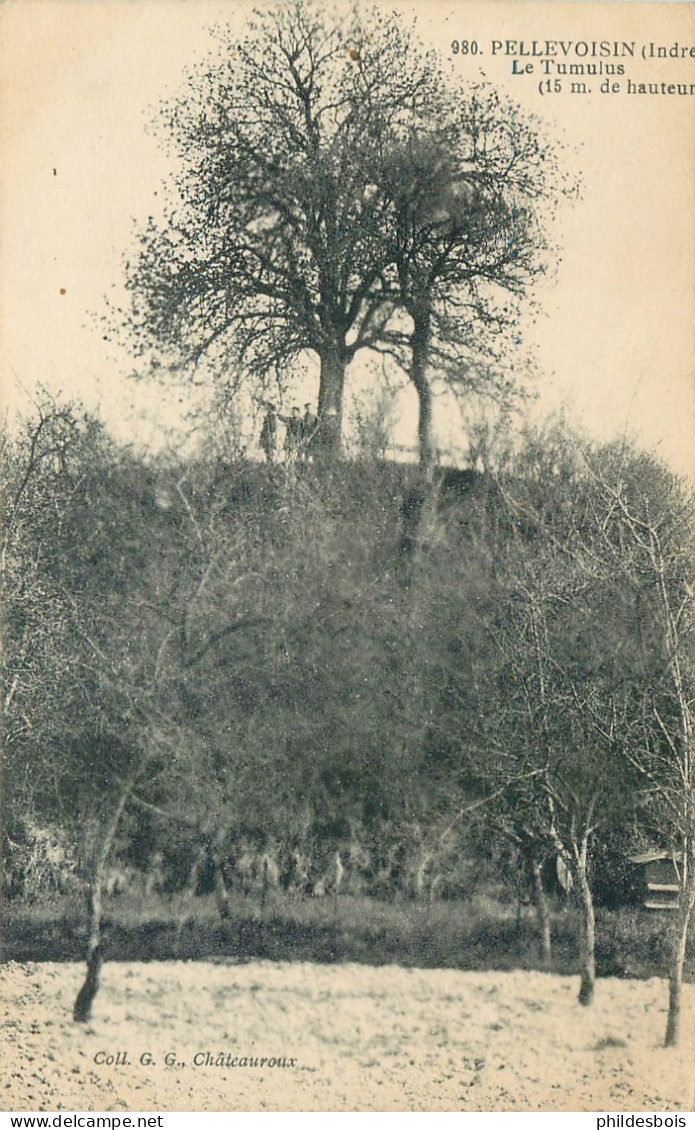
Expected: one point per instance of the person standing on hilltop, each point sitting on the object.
(309, 425)
(293, 435)
(269, 431)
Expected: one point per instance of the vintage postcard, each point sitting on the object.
(348, 449)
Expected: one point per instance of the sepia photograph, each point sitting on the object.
(347, 375)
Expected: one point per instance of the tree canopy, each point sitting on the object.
(337, 192)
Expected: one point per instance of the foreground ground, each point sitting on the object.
(352, 1038)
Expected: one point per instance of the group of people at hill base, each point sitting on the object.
(299, 433)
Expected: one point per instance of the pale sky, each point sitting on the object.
(80, 80)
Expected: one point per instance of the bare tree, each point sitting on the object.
(571, 641)
(271, 243)
(470, 192)
(330, 178)
(573, 786)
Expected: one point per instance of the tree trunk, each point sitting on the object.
(83, 1003)
(686, 903)
(420, 346)
(543, 913)
(587, 931)
(326, 444)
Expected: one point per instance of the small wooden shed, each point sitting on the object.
(656, 879)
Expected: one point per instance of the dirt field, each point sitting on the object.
(346, 1038)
